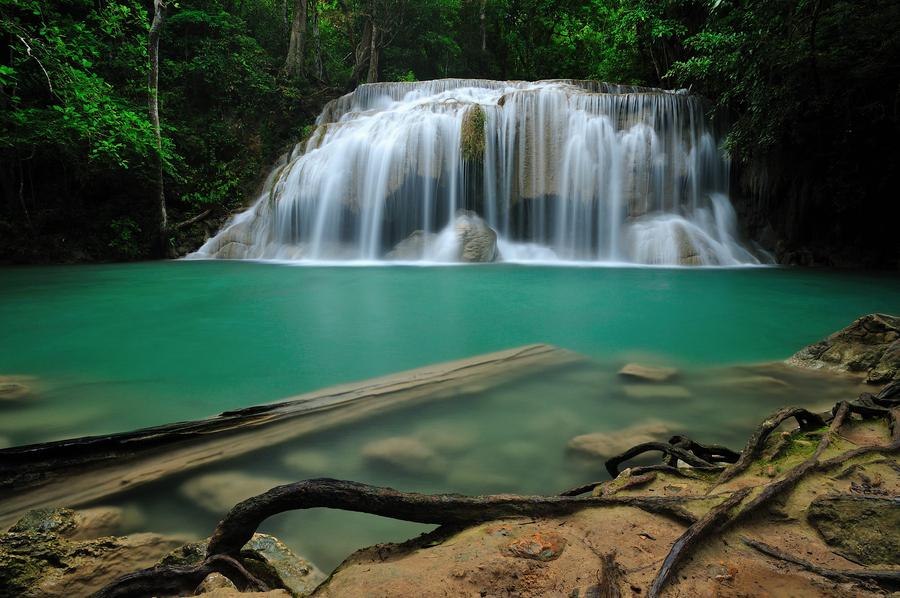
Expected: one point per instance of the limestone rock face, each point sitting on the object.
(861, 527)
(477, 241)
(38, 559)
(870, 347)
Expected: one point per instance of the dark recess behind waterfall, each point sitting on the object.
(819, 188)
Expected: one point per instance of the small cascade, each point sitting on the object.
(560, 170)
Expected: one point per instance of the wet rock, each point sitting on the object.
(218, 492)
(656, 391)
(870, 347)
(403, 453)
(608, 444)
(270, 559)
(861, 527)
(266, 557)
(647, 373)
(215, 581)
(36, 559)
(477, 241)
(541, 546)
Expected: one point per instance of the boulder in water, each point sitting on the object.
(647, 373)
(869, 347)
(609, 444)
(477, 241)
(218, 492)
(403, 453)
(469, 240)
(656, 391)
(14, 388)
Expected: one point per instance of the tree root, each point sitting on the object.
(677, 449)
(239, 525)
(690, 538)
(887, 577)
(805, 419)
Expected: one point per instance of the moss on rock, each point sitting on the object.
(472, 133)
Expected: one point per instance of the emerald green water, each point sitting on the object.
(111, 348)
(115, 347)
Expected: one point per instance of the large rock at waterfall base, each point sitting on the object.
(477, 241)
(39, 557)
(870, 346)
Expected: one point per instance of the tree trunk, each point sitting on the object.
(293, 66)
(361, 57)
(159, 13)
(373, 54)
(317, 41)
(483, 20)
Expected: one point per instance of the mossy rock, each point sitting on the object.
(863, 528)
(472, 134)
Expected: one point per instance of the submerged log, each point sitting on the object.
(75, 472)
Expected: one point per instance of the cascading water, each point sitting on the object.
(560, 170)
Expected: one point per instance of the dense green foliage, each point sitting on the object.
(811, 87)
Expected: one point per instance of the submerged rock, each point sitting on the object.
(218, 492)
(864, 528)
(608, 444)
(656, 391)
(870, 347)
(403, 453)
(14, 388)
(647, 373)
(38, 558)
(308, 461)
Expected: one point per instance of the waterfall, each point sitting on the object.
(561, 170)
